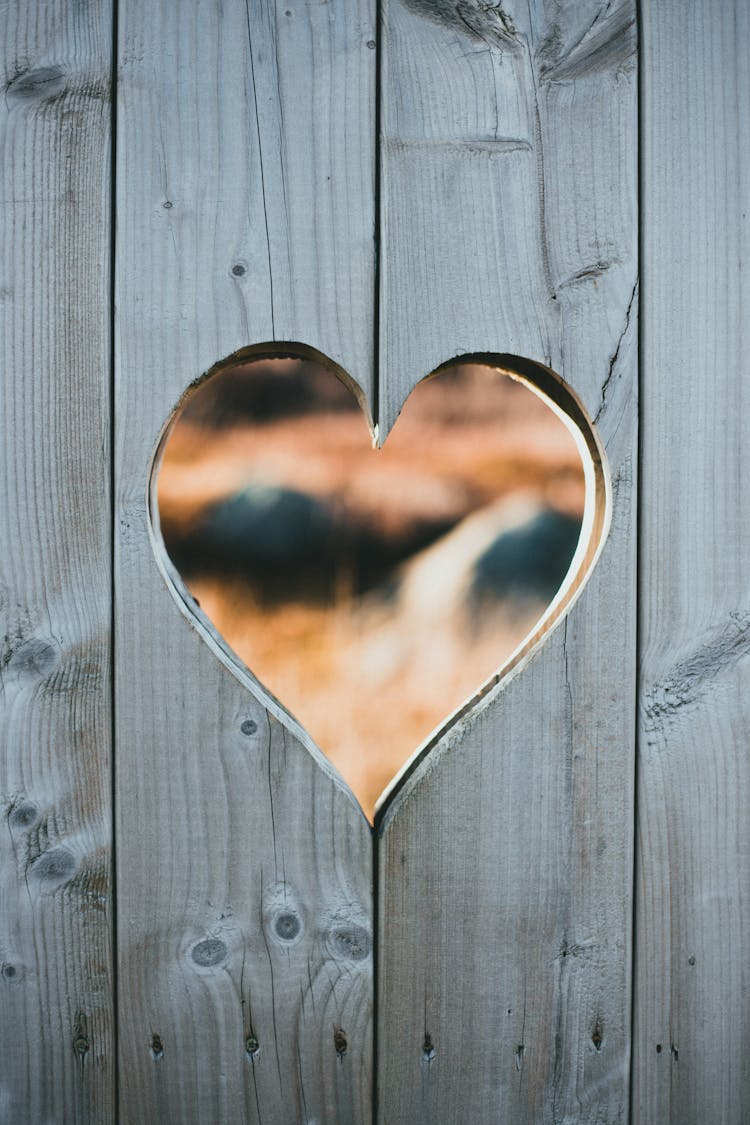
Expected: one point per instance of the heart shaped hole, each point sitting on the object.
(376, 592)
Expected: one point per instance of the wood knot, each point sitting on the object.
(24, 814)
(81, 1039)
(287, 925)
(209, 952)
(351, 941)
(428, 1049)
(54, 867)
(37, 657)
(42, 83)
(340, 1042)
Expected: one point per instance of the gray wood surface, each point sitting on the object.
(692, 1019)
(56, 981)
(509, 192)
(245, 215)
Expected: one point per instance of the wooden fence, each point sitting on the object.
(549, 922)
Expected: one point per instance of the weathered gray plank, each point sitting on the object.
(56, 1030)
(246, 203)
(510, 225)
(692, 1021)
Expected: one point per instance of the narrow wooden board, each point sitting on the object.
(245, 215)
(692, 1019)
(56, 983)
(509, 189)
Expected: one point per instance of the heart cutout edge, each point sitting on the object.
(557, 395)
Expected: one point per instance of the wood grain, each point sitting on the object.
(245, 215)
(692, 1021)
(510, 226)
(56, 980)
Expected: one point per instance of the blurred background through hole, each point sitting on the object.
(372, 592)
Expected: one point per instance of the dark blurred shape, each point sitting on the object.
(291, 544)
(271, 525)
(528, 561)
(266, 390)
(265, 526)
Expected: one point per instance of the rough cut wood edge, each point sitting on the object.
(245, 886)
(509, 193)
(188, 605)
(692, 1019)
(595, 524)
(56, 982)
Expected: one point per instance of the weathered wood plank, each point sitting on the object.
(692, 1021)
(56, 981)
(510, 226)
(246, 203)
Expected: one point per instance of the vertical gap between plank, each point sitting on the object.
(113, 529)
(638, 566)
(378, 245)
(377, 233)
(376, 841)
